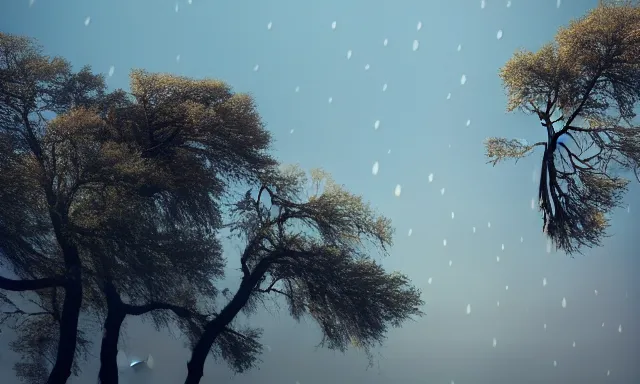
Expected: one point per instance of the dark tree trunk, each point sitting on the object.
(109, 349)
(195, 367)
(68, 330)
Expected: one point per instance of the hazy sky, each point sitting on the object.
(321, 105)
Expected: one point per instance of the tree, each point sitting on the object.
(34, 222)
(315, 252)
(110, 207)
(583, 87)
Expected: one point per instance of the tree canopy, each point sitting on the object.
(313, 243)
(111, 203)
(584, 87)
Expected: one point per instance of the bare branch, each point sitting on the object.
(30, 285)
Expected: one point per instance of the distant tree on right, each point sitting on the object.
(584, 87)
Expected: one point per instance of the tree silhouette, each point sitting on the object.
(109, 201)
(583, 87)
(314, 251)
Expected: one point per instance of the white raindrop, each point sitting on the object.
(177, 7)
(376, 124)
(31, 3)
(483, 4)
(385, 42)
(419, 26)
(178, 59)
(502, 247)
(555, 363)
(509, 4)
(448, 96)
(366, 67)
(459, 47)
(620, 328)
(595, 291)
(545, 325)
(398, 190)
(431, 177)
(333, 25)
(608, 372)
(468, 309)
(190, 2)
(269, 25)
(330, 100)
(603, 325)
(256, 68)
(564, 302)
(629, 208)
(430, 280)
(498, 303)
(450, 262)
(453, 215)
(558, 3)
(544, 281)
(416, 45)
(474, 229)
(297, 89)
(499, 34)
(87, 21)
(384, 87)
(495, 342)
(521, 239)
(444, 242)
(533, 204)
(548, 246)
(349, 53)
(111, 70)
(488, 224)
(291, 131)
(498, 259)
(388, 152)
(442, 191)
(506, 287)
(463, 79)
(468, 123)
(410, 232)
(374, 169)
(574, 344)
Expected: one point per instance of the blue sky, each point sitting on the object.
(426, 133)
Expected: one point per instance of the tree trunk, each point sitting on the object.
(195, 367)
(68, 330)
(109, 348)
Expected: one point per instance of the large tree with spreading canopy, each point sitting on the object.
(109, 201)
(584, 88)
(312, 242)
